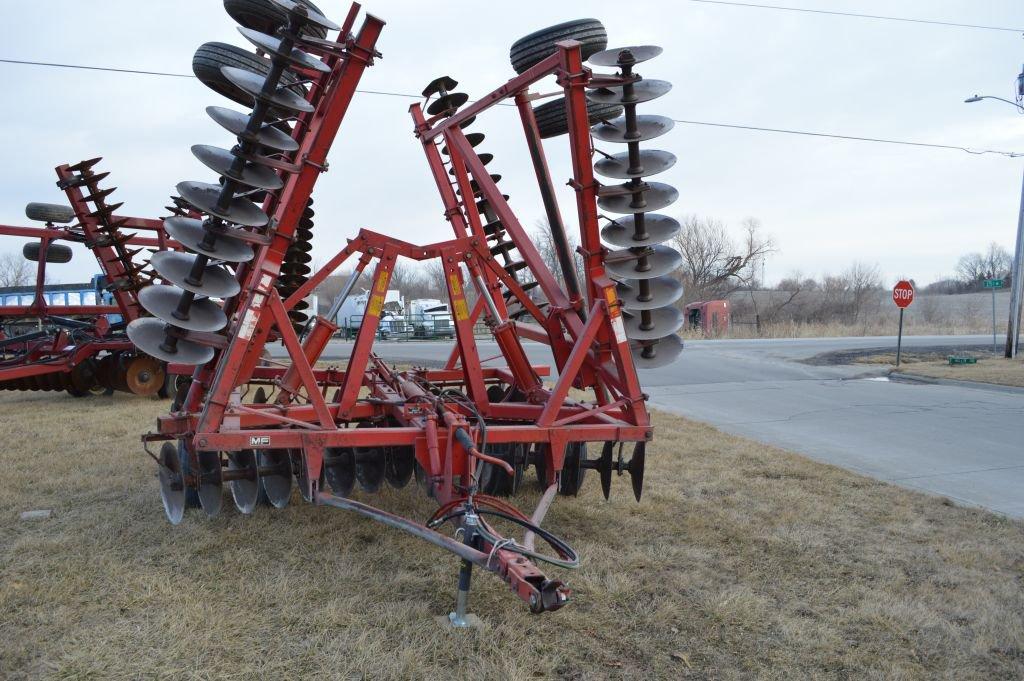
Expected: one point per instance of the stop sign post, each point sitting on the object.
(903, 296)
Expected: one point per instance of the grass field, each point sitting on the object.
(742, 561)
(998, 370)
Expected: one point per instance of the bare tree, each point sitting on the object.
(545, 244)
(15, 270)
(994, 263)
(714, 265)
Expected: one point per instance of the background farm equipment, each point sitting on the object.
(466, 432)
(74, 340)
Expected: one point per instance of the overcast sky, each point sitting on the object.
(826, 202)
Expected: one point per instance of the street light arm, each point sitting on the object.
(978, 98)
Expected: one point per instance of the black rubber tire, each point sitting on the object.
(49, 212)
(210, 57)
(552, 118)
(534, 48)
(58, 253)
(265, 17)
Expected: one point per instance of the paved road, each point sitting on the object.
(963, 443)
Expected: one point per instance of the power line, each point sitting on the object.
(754, 128)
(857, 15)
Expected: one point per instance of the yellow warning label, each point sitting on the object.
(376, 305)
(613, 307)
(382, 282)
(461, 309)
(456, 286)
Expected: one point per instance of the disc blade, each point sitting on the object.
(176, 268)
(399, 464)
(277, 485)
(245, 490)
(162, 302)
(664, 321)
(447, 103)
(340, 470)
(149, 335)
(658, 354)
(272, 45)
(604, 468)
(663, 291)
(643, 91)
(237, 122)
(221, 161)
(240, 211)
(310, 15)
(658, 196)
(616, 57)
(662, 261)
(210, 483)
(474, 139)
(252, 84)
(648, 127)
(658, 228)
(172, 488)
(302, 474)
(636, 468)
(369, 467)
(652, 162)
(189, 232)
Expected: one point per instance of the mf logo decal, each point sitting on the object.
(259, 440)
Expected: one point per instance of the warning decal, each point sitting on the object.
(461, 309)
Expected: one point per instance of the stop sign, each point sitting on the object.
(903, 294)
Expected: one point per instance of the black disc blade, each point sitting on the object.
(617, 56)
(309, 15)
(176, 268)
(172, 488)
(399, 466)
(221, 161)
(652, 162)
(240, 211)
(149, 335)
(643, 91)
(659, 263)
(447, 103)
(604, 468)
(664, 321)
(245, 490)
(277, 485)
(648, 127)
(636, 468)
(252, 84)
(236, 123)
(210, 483)
(657, 229)
(658, 196)
(162, 302)
(272, 45)
(369, 467)
(474, 139)
(662, 291)
(340, 470)
(190, 233)
(656, 354)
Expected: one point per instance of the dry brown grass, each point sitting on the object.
(998, 370)
(743, 561)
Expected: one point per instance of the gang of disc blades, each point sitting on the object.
(203, 315)
(172, 486)
(659, 228)
(221, 161)
(308, 14)
(236, 123)
(643, 91)
(659, 263)
(666, 321)
(189, 232)
(652, 162)
(245, 490)
(610, 57)
(663, 291)
(210, 482)
(648, 127)
(252, 84)
(175, 267)
(484, 160)
(148, 334)
(656, 196)
(340, 469)
(272, 45)
(240, 211)
(666, 351)
(278, 484)
(474, 139)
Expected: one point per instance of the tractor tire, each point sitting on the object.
(552, 117)
(210, 57)
(539, 45)
(58, 253)
(266, 17)
(49, 212)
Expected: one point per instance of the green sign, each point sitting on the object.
(993, 283)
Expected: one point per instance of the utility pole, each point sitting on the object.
(1017, 282)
